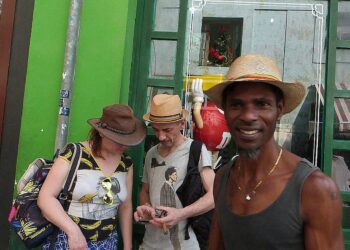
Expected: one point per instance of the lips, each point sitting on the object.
(249, 132)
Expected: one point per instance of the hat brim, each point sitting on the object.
(293, 93)
(146, 117)
(128, 140)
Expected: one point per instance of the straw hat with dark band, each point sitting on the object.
(119, 124)
(258, 68)
(166, 109)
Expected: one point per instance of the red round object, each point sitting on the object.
(215, 133)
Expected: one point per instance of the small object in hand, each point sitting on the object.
(165, 229)
(143, 220)
(159, 213)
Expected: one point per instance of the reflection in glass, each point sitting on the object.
(340, 169)
(342, 118)
(343, 28)
(163, 59)
(167, 15)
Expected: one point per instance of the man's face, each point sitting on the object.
(173, 177)
(251, 113)
(168, 134)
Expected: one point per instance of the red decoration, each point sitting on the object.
(215, 133)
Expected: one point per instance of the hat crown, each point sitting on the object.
(119, 117)
(165, 105)
(253, 66)
(165, 109)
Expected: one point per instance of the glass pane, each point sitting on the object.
(342, 118)
(0, 6)
(343, 29)
(340, 169)
(163, 59)
(167, 15)
(342, 73)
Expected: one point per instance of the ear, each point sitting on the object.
(182, 124)
(280, 109)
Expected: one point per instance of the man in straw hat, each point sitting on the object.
(167, 118)
(268, 197)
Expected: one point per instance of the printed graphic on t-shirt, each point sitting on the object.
(167, 199)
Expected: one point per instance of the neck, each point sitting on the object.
(255, 167)
(164, 150)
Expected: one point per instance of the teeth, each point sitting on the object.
(249, 132)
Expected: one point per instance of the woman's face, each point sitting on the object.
(112, 146)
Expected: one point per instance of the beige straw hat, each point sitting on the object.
(119, 124)
(165, 109)
(258, 68)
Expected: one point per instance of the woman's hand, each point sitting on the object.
(76, 240)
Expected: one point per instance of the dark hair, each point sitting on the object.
(169, 171)
(277, 91)
(95, 141)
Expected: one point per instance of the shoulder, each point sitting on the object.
(318, 184)
(127, 161)
(319, 187)
(67, 152)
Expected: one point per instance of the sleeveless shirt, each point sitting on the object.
(279, 226)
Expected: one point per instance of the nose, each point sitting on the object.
(161, 136)
(248, 113)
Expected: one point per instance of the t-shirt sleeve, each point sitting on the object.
(67, 152)
(125, 164)
(204, 159)
(146, 167)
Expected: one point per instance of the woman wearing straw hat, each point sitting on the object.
(102, 187)
(160, 182)
(268, 197)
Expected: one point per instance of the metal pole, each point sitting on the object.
(68, 74)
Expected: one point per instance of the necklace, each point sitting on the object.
(250, 194)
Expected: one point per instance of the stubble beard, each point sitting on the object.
(249, 153)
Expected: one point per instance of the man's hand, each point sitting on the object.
(144, 212)
(172, 218)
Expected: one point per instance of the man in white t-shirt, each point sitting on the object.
(164, 171)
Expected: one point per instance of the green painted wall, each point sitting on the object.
(102, 74)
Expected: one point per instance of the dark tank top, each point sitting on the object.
(279, 226)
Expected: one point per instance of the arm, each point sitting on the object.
(125, 213)
(52, 209)
(322, 213)
(215, 235)
(202, 205)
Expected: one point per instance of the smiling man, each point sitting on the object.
(267, 197)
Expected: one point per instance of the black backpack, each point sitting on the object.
(190, 191)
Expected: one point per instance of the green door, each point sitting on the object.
(158, 68)
(336, 129)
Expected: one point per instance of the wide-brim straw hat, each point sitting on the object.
(166, 109)
(258, 68)
(119, 124)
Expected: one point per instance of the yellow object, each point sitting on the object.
(208, 80)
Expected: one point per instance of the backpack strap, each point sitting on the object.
(195, 153)
(63, 196)
(72, 172)
(192, 168)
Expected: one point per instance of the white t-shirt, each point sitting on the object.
(156, 174)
